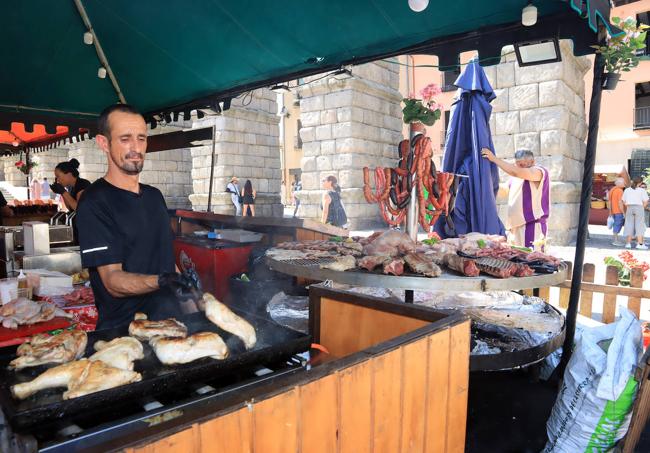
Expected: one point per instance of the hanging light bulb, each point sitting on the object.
(101, 73)
(15, 143)
(529, 15)
(88, 38)
(418, 5)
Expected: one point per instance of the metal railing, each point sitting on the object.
(642, 118)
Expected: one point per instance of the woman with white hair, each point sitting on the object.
(616, 208)
(635, 199)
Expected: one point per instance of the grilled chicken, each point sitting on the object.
(224, 318)
(342, 263)
(42, 349)
(81, 377)
(118, 353)
(143, 329)
(23, 311)
(171, 351)
(421, 264)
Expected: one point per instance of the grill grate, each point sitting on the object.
(306, 262)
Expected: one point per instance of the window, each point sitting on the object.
(448, 79)
(297, 144)
(642, 106)
(644, 18)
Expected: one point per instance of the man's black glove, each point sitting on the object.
(182, 285)
(57, 188)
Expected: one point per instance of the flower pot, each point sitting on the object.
(611, 80)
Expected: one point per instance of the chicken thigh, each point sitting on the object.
(224, 318)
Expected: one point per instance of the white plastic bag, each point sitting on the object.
(593, 409)
(610, 222)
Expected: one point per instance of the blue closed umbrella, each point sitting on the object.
(468, 132)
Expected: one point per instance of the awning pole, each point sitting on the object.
(100, 52)
(412, 209)
(585, 204)
(214, 135)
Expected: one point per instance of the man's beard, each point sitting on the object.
(131, 168)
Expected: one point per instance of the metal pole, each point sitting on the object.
(412, 213)
(585, 204)
(214, 134)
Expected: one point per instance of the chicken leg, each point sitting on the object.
(99, 376)
(224, 318)
(59, 376)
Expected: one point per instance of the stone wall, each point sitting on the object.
(542, 108)
(346, 125)
(247, 146)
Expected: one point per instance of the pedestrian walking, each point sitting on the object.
(635, 199)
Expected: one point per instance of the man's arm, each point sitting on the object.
(120, 283)
(529, 174)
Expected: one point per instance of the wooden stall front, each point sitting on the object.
(396, 380)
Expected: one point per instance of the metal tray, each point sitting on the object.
(274, 343)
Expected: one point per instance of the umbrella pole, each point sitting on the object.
(214, 133)
(412, 212)
(583, 222)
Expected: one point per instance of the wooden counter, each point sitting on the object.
(396, 381)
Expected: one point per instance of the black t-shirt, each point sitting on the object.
(119, 226)
(81, 184)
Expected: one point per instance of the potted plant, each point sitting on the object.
(25, 166)
(621, 52)
(426, 110)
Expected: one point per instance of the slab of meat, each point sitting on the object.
(43, 349)
(119, 352)
(395, 267)
(462, 265)
(390, 243)
(369, 239)
(370, 262)
(523, 271)
(23, 311)
(143, 329)
(421, 264)
(81, 377)
(224, 318)
(342, 263)
(171, 351)
(496, 267)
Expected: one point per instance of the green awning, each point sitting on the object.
(174, 55)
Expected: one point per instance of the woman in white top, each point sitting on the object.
(635, 199)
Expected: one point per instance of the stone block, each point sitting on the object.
(351, 178)
(505, 75)
(565, 192)
(310, 180)
(538, 73)
(323, 163)
(500, 103)
(504, 145)
(328, 147)
(337, 99)
(555, 92)
(343, 130)
(349, 113)
(529, 141)
(507, 123)
(367, 101)
(311, 104)
(324, 132)
(311, 148)
(262, 185)
(307, 134)
(491, 73)
(544, 118)
(373, 118)
(555, 142)
(522, 97)
(309, 119)
(328, 116)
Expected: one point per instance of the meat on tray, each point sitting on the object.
(465, 266)
(44, 349)
(390, 243)
(80, 296)
(394, 266)
(496, 267)
(171, 351)
(523, 271)
(219, 314)
(371, 262)
(421, 264)
(23, 311)
(342, 263)
(143, 329)
(120, 352)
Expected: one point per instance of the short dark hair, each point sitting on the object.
(103, 126)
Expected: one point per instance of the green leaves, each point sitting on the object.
(621, 52)
(414, 111)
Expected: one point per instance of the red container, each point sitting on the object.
(646, 334)
(214, 260)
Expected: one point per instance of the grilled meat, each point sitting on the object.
(171, 351)
(395, 266)
(342, 263)
(119, 353)
(224, 318)
(462, 265)
(81, 377)
(23, 311)
(43, 349)
(496, 267)
(390, 243)
(370, 262)
(421, 264)
(523, 271)
(143, 329)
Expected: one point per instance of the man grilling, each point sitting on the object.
(529, 198)
(125, 233)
